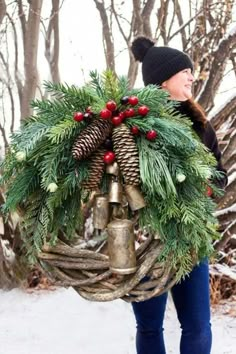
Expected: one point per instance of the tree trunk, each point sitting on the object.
(31, 36)
(2, 10)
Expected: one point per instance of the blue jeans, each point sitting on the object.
(192, 302)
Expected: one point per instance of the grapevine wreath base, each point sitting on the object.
(123, 169)
(88, 272)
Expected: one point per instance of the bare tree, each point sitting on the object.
(113, 18)
(22, 21)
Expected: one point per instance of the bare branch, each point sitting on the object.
(16, 69)
(226, 110)
(162, 18)
(107, 37)
(220, 57)
(4, 136)
(52, 39)
(146, 14)
(181, 22)
(138, 21)
(226, 236)
(30, 56)
(2, 10)
(22, 20)
(7, 83)
(118, 23)
(180, 29)
(171, 22)
(229, 153)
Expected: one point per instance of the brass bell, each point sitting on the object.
(115, 194)
(134, 197)
(121, 246)
(120, 211)
(113, 169)
(100, 212)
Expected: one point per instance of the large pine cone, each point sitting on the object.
(96, 170)
(91, 138)
(127, 154)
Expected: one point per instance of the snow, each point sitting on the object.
(61, 322)
(219, 108)
(230, 209)
(232, 31)
(231, 178)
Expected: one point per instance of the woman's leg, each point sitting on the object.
(192, 302)
(149, 316)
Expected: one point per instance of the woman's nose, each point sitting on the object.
(191, 77)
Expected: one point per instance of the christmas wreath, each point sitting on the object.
(111, 187)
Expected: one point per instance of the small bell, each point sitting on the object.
(100, 212)
(121, 246)
(113, 169)
(120, 211)
(115, 194)
(134, 197)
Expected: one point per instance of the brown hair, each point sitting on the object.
(193, 110)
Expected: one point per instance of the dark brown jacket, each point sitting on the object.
(206, 133)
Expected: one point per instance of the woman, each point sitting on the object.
(172, 70)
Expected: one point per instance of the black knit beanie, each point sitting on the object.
(159, 63)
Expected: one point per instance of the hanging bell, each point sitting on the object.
(112, 169)
(120, 211)
(121, 246)
(134, 197)
(101, 212)
(115, 194)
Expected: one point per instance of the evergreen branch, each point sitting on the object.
(64, 130)
(154, 172)
(110, 85)
(20, 188)
(27, 139)
(96, 83)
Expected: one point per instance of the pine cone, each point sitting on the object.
(96, 170)
(127, 154)
(91, 138)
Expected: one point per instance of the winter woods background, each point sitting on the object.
(45, 40)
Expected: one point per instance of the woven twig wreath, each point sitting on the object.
(88, 272)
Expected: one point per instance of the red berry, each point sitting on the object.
(111, 105)
(109, 157)
(89, 109)
(105, 113)
(143, 110)
(78, 116)
(151, 135)
(135, 130)
(133, 100)
(117, 120)
(122, 115)
(130, 112)
(209, 191)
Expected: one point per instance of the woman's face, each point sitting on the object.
(179, 85)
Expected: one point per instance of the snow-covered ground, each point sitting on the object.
(61, 322)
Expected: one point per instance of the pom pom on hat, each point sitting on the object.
(140, 47)
(159, 63)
